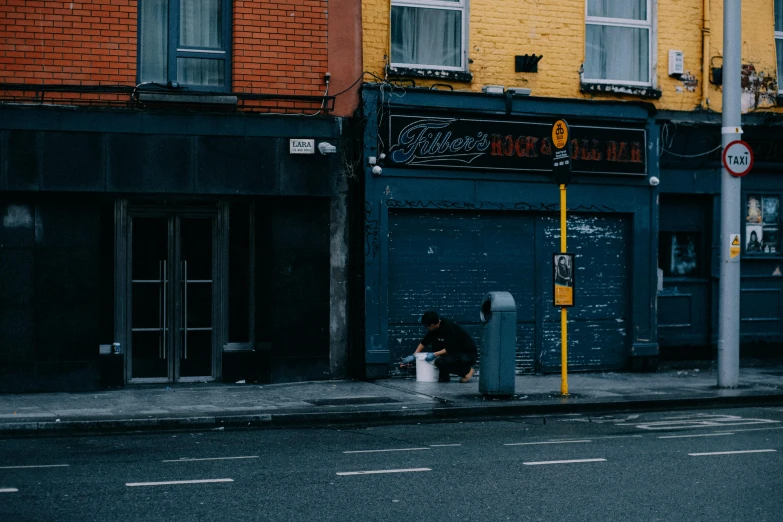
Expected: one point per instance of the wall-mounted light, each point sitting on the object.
(326, 148)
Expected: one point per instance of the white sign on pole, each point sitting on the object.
(738, 158)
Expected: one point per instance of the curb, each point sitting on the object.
(438, 413)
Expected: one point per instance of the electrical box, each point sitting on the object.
(676, 63)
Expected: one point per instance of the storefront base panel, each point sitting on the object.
(50, 377)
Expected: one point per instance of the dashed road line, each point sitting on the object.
(8, 490)
(444, 445)
(176, 482)
(379, 471)
(696, 435)
(386, 450)
(574, 461)
(39, 466)
(184, 459)
(546, 442)
(731, 452)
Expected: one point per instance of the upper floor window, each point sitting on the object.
(428, 34)
(186, 42)
(617, 42)
(779, 40)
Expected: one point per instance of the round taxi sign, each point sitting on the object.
(738, 158)
(560, 134)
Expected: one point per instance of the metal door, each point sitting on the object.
(171, 312)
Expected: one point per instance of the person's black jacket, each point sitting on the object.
(453, 338)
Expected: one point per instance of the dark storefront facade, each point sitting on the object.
(197, 246)
(690, 213)
(460, 201)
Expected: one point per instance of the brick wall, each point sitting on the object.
(279, 46)
(68, 42)
(501, 29)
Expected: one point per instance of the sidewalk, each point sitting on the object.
(217, 406)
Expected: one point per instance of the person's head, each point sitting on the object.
(430, 320)
(562, 261)
(753, 236)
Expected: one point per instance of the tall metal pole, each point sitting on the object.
(563, 310)
(728, 336)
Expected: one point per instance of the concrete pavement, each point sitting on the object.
(220, 406)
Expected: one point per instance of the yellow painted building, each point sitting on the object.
(499, 30)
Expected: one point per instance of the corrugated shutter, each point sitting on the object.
(448, 261)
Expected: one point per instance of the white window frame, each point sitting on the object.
(460, 5)
(636, 24)
(778, 36)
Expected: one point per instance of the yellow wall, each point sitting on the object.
(501, 29)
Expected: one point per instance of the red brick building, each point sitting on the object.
(173, 188)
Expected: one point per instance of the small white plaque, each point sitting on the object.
(299, 146)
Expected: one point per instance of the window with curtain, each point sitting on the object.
(617, 42)
(779, 41)
(428, 34)
(193, 52)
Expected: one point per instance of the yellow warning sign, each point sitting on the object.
(734, 246)
(560, 134)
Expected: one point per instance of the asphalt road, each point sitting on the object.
(718, 465)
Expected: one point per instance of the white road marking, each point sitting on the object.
(621, 437)
(185, 459)
(702, 421)
(41, 466)
(172, 482)
(699, 435)
(759, 429)
(444, 445)
(8, 490)
(386, 450)
(576, 461)
(547, 442)
(731, 452)
(409, 470)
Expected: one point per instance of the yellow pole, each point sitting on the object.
(563, 310)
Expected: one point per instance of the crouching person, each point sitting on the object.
(453, 350)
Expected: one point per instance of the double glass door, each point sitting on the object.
(171, 310)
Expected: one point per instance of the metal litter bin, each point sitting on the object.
(499, 341)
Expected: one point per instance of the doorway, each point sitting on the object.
(172, 273)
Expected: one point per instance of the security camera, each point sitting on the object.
(377, 170)
(654, 181)
(326, 148)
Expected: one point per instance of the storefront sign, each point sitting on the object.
(416, 141)
(300, 146)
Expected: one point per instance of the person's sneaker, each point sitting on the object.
(467, 377)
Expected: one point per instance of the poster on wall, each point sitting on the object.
(563, 271)
(762, 222)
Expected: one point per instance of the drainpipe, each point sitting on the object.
(705, 56)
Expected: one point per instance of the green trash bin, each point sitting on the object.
(499, 344)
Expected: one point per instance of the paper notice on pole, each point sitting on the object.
(734, 246)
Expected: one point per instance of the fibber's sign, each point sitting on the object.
(416, 141)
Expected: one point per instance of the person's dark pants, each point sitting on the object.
(453, 364)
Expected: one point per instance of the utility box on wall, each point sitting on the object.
(676, 63)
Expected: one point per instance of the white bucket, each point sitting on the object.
(425, 371)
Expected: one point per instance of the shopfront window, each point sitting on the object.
(680, 254)
(762, 224)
